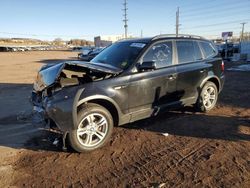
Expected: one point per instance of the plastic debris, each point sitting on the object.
(56, 141)
(165, 134)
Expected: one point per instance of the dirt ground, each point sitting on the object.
(180, 148)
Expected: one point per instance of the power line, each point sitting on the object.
(216, 14)
(216, 24)
(214, 17)
(223, 7)
(218, 29)
(188, 5)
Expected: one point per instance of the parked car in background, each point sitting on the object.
(27, 48)
(4, 49)
(128, 81)
(21, 49)
(219, 48)
(82, 49)
(85, 50)
(236, 48)
(75, 49)
(226, 50)
(13, 49)
(90, 55)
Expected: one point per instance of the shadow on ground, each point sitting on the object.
(190, 124)
(178, 123)
(16, 127)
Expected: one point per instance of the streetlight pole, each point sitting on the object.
(242, 32)
(177, 22)
(125, 20)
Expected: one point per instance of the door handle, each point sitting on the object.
(120, 87)
(171, 77)
(203, 70)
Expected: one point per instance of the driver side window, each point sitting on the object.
(160, 53)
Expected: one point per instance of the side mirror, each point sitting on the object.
(147, 66)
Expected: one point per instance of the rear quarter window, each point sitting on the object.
(197, 51)
(208, 49)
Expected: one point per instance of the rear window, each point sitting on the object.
(188, 51)
(208, 49)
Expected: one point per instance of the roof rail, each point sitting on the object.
(179, 36)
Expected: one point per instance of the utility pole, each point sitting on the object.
(177, 22)
(125, 20)
(141, 33)
(242, 32)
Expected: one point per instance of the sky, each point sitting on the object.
(85, 19)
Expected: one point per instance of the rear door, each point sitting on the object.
(212, 59)
(154, 88)
(191, 70)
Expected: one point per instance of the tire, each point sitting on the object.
(207, 101)
(95, 126)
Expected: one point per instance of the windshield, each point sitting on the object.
(120, 55)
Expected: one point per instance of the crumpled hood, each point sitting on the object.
(49, 74)
(97, 66)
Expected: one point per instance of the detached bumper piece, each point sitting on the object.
(40, 117)
(38, 112)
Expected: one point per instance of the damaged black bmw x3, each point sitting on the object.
(128, 81)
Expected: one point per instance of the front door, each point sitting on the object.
(153, 88)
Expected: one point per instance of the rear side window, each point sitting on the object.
(188, 51)
(208, 49)
(160, 53)
(197, 51)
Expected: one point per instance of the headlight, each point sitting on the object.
(38, 84)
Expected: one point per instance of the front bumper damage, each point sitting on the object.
(54, 113)
(57, 90)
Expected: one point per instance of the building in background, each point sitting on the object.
(106, 40)
(101, 43)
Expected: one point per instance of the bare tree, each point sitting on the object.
(58, 41)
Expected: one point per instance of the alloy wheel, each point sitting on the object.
(92, 129)
(209, 97)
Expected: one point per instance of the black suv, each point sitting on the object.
(128, 81)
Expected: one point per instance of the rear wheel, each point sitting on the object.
(207, 98)
(95, 126)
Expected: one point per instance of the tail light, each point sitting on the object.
(222, 66)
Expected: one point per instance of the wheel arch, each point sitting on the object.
(216, 82)
(213, 79)
(104, 101)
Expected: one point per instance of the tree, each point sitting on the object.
(58, 41)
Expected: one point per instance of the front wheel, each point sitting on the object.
(95, 126)
(207, 97)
